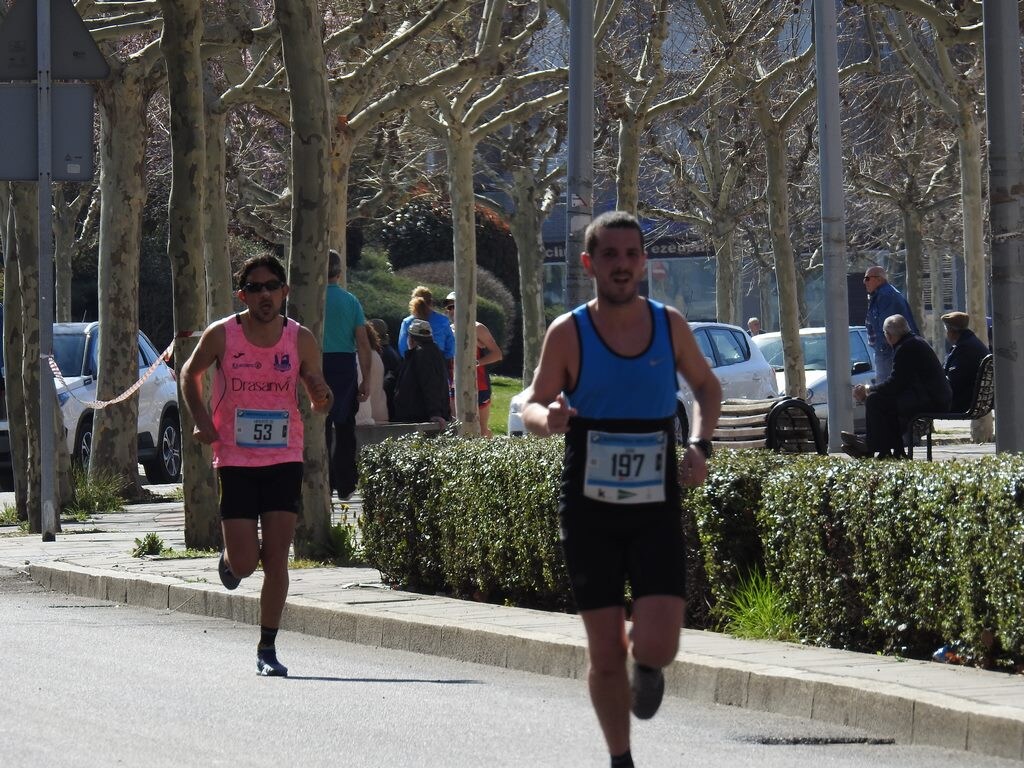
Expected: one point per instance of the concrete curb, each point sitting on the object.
(900, 712)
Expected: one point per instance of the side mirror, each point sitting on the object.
(861, 367)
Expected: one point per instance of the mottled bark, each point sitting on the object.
(183, 29)
(68, 202)
(219, 282)
(727, 276)
(122, 107)
(14, 353)
(301, 42)
(525, 225)
(342, 146)
(627, 172)
(27, 468)
(460, 188)
(913, 240)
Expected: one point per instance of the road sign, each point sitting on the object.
(71, 148)
(74, 55)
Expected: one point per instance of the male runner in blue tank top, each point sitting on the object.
(607, 379)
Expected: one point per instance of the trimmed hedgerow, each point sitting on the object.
(897, 557)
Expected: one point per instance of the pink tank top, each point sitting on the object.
(255, 400)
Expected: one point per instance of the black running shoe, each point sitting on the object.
(227, 578)
(267, 664)
(648, 687)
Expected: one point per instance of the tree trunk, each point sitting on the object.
(460, 186)
(65, 220)
(913, 238)
(627, 172)
(26, 238)
(186, 248)
(123, 192)
(219, 280)
(301, 42)
(785, 264)
(525, 224)
(14, 355)
(936, 330)
(342, 147)
(727, 273)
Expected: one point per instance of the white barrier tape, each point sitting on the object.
(134, 387)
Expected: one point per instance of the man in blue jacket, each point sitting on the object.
(884, 302)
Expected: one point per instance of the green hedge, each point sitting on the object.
(897, 557)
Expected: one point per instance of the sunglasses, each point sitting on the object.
(270, 286)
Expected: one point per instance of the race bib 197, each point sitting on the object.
(625, 468)
(261, 429)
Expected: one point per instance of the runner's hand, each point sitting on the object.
(559, 413)
(694, 469)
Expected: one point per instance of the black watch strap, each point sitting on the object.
(702, 444)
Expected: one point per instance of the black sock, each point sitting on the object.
(267, 637)
(625, 760)
(647, 670)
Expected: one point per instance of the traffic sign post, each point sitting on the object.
(45, 41)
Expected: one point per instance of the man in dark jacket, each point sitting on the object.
(421, 389)
(964, 359)
(917, 383)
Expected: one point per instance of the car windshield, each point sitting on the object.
(813, 347)
(69, 352)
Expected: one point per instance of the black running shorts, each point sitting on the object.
(248, 492)
(604, 550)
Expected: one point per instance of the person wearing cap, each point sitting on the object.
(883, 301)
(421, 305)
(421, 389)
(487, 353)
(963, 360)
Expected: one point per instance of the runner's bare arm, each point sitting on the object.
(365, 361)
(207, 352)
(547, 411)
(485, 340)
(320, 395)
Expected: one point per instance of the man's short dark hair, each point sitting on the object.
(611, 220)
(333, 264)
(270, 262)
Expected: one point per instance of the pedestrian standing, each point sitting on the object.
(607, 379)
(255, 428)
(883, 301)
(344, 339)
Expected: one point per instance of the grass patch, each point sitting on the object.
(150, 544)
(169, 553)
(102, 493)
(9, 515)
(503, 389)
(757, 611)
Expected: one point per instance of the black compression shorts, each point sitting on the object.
(605, 550)
(248, 492)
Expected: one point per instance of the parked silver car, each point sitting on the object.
(738, 364)
(812, 342)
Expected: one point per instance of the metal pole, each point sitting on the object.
(1006, 181)
(833, 225)
(45, 199)
(579, 193)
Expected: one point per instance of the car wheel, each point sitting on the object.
(166, 467)
(682, 424)
(83, 443)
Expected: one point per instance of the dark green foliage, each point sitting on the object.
(422, 232)
(898, 557)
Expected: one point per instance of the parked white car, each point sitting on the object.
(812, 341)
(738, 364)
(159, 430)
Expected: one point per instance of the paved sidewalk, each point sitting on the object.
(908, 701)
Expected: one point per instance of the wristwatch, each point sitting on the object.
(703, 445)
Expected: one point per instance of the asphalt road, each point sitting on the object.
(87, 683)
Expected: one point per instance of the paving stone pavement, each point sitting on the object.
(909, 701)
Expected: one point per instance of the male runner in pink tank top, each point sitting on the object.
(254, 425)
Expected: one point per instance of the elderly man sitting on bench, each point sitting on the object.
(917, 383)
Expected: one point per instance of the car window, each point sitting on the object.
(705, 346)
(772, 351)
(729, 347)
(858, 349)
(147, 352)
(69, 352)
(814, 352)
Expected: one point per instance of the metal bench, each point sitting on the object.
(786, 425)
(368, 434)
(981, 404)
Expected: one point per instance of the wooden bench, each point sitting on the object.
(981, 404)
(368, 434)
(785, 424)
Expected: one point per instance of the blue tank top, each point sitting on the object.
(610, 386)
